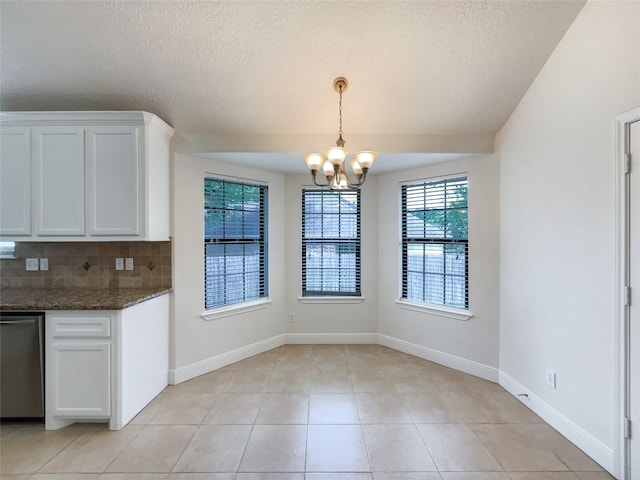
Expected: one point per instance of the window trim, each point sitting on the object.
(327, 299)
(235, 309)
(435, 309)
(332, 296)
(457, 313)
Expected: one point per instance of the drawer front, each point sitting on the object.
(82, 326)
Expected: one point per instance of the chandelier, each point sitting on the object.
(333, 160)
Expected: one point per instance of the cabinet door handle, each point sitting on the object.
(18, 322)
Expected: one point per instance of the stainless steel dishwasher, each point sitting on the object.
(21, 365)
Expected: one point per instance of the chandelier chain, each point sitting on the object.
(340, 110)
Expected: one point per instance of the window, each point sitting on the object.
(235, 242)
(435, 249)
(7, 249)
(330, 243)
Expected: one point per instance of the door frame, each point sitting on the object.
(621, 335)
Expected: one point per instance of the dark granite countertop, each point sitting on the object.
(76, 298)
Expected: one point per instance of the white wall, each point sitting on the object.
(197, 342)
(558, 222)
(470, 345)
(332, 321)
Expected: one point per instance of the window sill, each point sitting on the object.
(449, 312)
(236, 309)
(329, 299)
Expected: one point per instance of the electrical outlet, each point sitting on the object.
(44, 264)
(551, 378)
(32, 264)
(292, 318)
(128, 263)
(119, 263)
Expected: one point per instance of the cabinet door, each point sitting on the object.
(58, 164)
(114, 172)
(80, 379)
(15, 181)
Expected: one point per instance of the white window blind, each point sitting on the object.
(235, 242)
(435, 246)
(330, 243)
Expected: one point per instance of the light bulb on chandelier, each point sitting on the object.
(333, 161)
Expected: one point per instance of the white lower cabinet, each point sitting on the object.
(81, 379)
(105, 366)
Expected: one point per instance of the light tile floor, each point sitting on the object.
(314, 412)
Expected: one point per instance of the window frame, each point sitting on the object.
(331, 296)
(247, 303)
(421, 304)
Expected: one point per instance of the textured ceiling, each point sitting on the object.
(240, 70)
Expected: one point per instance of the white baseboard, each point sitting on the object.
(330, 338)
(458, 363)
(188, 372)
(593, 447)
(183, 374)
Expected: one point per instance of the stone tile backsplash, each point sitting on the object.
(89, 264)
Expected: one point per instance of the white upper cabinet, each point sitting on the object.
(114, 172)
(84, 176)
(58, 180)
(15, 181)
